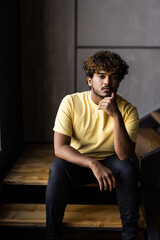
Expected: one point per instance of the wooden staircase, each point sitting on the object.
(31, 170)
(23, 193)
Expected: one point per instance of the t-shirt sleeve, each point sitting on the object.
(63, 121)
(132, 124)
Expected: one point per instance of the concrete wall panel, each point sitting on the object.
(118, 23)
(47, 63)
(141, 86)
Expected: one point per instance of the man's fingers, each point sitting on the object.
(105, 101)
(105, 183)
(100, 185)
(114, 181)
(102, 104)
(113, 95)
(110, 183)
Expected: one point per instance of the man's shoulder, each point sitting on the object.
(127, 109)
(123, 102)
(77, 95)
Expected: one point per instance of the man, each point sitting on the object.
(94, 139)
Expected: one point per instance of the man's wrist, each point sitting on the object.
(93, 164)
(117, 116)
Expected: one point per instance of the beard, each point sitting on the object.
(96, 92)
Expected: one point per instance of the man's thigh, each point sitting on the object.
(116, 165)
(76, 174)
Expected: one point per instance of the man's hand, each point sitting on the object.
(104, 176)
(109, 105)
(65, 151)
(123, 145)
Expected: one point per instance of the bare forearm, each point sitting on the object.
(123, 145)
(70, 154)
(63, 150)
(104, 176)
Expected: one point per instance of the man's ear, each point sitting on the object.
(89, 80)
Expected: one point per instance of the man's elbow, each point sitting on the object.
(127, 154)
(57, 152)
(124, 157)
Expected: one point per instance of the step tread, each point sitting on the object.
(76, 215)
(32, 167)
(156, 116)
(147, 141)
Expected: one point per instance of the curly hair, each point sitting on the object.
(107, 61)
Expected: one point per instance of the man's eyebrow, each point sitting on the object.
(102, 73)
(106, 73)
(114, 73)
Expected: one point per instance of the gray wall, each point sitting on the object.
(118, 23)
(130, 28)
(141, 86)
(47, 63)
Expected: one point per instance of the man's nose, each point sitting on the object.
(106, 80)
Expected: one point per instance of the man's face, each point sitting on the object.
(104, 83)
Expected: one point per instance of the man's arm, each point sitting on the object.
(65, 151)
(124, 147)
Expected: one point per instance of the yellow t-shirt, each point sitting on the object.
(92, 130)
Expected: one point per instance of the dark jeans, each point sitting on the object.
(63, 174)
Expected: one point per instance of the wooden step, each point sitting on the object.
(156, 116)
(147, 141)
(32, 167)
(83, 216)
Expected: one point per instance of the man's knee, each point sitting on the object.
(127, 168)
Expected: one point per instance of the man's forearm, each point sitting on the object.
(103, 175)
(123, 145)
(63, 150)
(70, 154)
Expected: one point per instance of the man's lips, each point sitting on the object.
(107, 89)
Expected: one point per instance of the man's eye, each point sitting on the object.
(115, 77)
(102, 76)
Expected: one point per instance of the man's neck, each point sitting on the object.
(96, 99)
